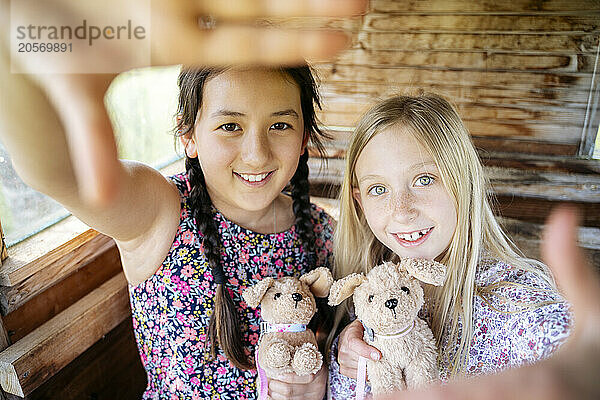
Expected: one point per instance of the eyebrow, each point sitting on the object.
(229, 113)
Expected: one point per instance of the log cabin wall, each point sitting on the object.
(521, 73)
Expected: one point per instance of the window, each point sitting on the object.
(142, 104)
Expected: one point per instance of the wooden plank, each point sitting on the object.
(15, 296)
(470, 60)
(564, 24)
(474, 111)
(486, 6)
(411, 78)
(503, 42)
(573, 97)
(43, 249)
(112, 362)
(41, 308)
(28, 363)
(542, 132)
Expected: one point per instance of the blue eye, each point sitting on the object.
(280, 126)
(424, 180)
(230, 127)
(377, 190)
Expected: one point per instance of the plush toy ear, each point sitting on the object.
(427, 271)
(344, 288)
(319, 280)
(254, 294)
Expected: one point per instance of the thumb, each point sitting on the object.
(575, 277)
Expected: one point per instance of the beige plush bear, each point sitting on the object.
(387, 302)
(287, 306)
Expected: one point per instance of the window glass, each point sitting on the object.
(142, 105)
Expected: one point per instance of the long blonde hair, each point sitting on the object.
(437, 126)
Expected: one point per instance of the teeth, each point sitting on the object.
(253, 178)
(411, 237)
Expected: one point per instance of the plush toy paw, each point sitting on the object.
(307, 359)
(278, 355)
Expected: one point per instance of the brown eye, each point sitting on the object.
(405, 289)
(370, 298)
(277, 295)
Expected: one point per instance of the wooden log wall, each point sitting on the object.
(519, 71)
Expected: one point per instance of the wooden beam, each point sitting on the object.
(28, 363)
(15, 296)
(482, 23)
(49, 303)
(528, 7)
(43, 249)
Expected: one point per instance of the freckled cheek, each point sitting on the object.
(377, 213)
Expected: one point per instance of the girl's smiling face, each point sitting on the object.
(248, 138)
(403, 197)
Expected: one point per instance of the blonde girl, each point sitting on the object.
(415, 187)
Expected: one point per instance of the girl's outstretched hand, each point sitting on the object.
(292, 386)
(175, 38)
(572, 373)
(351, 346)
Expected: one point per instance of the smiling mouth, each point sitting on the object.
(254, 179)
(413, 238)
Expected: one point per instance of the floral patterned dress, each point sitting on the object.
(172, 308)
(521, 322)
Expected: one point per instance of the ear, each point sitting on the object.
(356, 195)
(427, 271)
(254, 294)
(189, 145)
(305, 141)
(319, 280)
(344, 288)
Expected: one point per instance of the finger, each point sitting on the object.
(361, 348)
(282, 8)
(295, 379)
(574, 275)
(350, 372)
(230, 44)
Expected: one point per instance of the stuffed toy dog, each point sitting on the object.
(287, 306)
(387, 302)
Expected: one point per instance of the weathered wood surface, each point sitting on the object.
(13, 297)
(576, 7)
(44, 249)
(47, 304)
(110, 369)
(518, 71)
(26, 364)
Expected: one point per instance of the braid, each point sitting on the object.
(301, 206)
(224, 327)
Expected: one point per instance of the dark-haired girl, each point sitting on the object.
(228, 222)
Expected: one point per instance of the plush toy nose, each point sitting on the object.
(296, 296)
(391, 303)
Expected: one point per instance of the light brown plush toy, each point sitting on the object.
(287, 306)
(387, 302)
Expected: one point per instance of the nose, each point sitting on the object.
(296, 296)
(391, 303)
(255, 148)
(403, 206)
